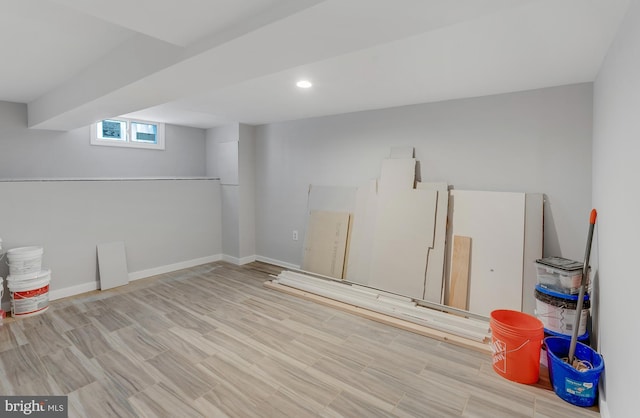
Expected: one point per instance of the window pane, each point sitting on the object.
(112, 129)
(144, 132)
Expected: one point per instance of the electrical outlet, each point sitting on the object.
(295, 235)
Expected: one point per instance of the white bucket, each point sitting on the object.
(24, 260)
(29, 297)
(38, 275)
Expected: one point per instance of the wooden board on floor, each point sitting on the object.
(112, 265)
(385, 319)
(325, 243)
(460, 272)
(404, 229)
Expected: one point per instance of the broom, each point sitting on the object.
(583, 285)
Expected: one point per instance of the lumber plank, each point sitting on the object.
(460, 272)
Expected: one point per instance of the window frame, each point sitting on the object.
(127, 142)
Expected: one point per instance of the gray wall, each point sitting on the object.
(536, 141)
(230, 156)
(32, 153)
(162, 222)
(616, 168)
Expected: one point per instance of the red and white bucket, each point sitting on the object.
(29, 293)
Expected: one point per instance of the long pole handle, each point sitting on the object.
(583, 285)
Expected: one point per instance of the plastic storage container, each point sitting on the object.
(557, 311)
(560, 274)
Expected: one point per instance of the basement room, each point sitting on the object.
(322, 208)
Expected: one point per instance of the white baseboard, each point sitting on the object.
(238, 261)
(73, 290)
(136, 275)
(277, 262)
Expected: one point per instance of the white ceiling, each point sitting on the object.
(207, 62)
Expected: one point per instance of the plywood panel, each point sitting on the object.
(404, 231)
(433, 289)
(325, 243)
(112, 265)
(460, 260)
(495, 223)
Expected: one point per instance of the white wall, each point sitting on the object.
(616, 168)
(537, 141)
(33, 153)
(165, 225)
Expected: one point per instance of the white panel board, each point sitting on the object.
(397, 173)
(404, 231)
(433, 289)
(112, 265)
(533, 243)
(401, 152)
(495, 223)
(362, 234)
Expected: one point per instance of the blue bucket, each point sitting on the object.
(577, 388)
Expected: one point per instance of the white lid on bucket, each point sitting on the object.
(15, 278)
(25, 252)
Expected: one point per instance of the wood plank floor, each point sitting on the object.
(212, 341)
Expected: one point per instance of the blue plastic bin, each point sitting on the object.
(577, 388)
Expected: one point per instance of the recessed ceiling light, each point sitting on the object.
(304, 84)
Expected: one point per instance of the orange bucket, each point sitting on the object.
(516, 339)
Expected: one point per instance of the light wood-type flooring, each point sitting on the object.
(212, 341)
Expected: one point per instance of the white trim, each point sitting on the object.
(73, 290)
(602, 403)
(277, 262)
(136, 275)
(238, 261)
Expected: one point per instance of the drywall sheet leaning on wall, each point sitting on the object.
(397, 174)
(533, 243)
(404, 230)
(112, 265)
(495, 223)
(433, 287)
(361, 236)
(325, 243)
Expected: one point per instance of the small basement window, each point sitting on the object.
(128, 133)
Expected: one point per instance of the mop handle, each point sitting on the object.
(583, 285)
